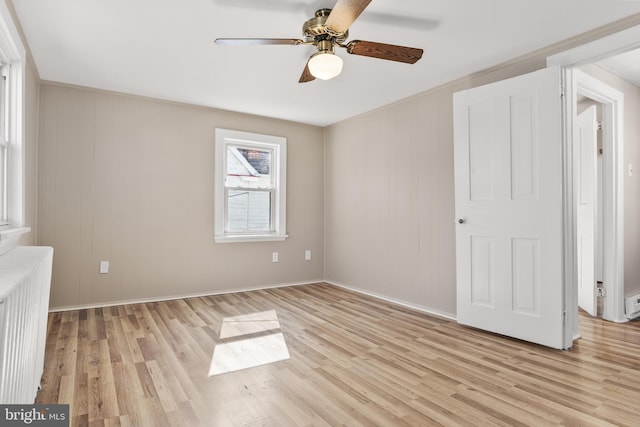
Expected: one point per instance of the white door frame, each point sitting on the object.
(613, 179)
(575, 82)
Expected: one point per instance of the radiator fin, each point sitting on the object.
(25, 280)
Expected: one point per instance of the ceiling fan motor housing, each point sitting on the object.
(314, 30)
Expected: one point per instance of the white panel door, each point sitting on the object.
(585, 145)
(509, 207)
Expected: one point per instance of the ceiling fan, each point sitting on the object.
(328, 29)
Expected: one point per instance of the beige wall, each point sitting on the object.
(631, 184)
(130, 180)
(389, 202)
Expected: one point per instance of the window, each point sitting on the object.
(250, 187)
(4, 147)
(12, 60)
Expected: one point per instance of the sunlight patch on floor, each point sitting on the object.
(249, 324)
(249, 340)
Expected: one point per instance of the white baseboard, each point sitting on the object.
(416, 307)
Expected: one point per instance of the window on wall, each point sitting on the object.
(250, 187)
(4, 148)
(12, 60)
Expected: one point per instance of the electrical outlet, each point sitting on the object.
(307, 255)
(274, 257)
(600, 292)
(104, 267)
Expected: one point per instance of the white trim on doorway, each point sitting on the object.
(612, 101)
(613, 195)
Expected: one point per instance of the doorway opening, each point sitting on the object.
(588, 152)
(611, 106)
(598, 205)
(598, 151)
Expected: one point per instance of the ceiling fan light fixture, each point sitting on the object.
(325, 65)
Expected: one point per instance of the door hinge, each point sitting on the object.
(561, 91)
(564, 316)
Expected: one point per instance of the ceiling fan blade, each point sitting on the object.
(254, 42)
(344, 13)
(306, 75)
(409, 55)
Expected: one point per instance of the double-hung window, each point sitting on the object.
(250, 187)
(12, 179)
(4, 147)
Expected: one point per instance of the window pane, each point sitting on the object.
(260, 160)
(248, 211)
(248, 168)
(4, 102)
(3, 184)
(4, 135)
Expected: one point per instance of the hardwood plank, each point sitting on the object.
(355, 361)
(127, 386)
(79, 406)
(160, 384)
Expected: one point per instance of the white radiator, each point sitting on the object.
(632, 306)
(25, 280)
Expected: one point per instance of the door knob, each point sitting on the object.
(461, 221)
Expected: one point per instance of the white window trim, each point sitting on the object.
(226, 136)
(13, 53)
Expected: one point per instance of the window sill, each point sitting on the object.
(9, 237)
(245, 238)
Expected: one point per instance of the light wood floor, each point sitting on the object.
(354, 361)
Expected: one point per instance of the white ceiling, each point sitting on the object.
(164, 48)
(625, 65)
